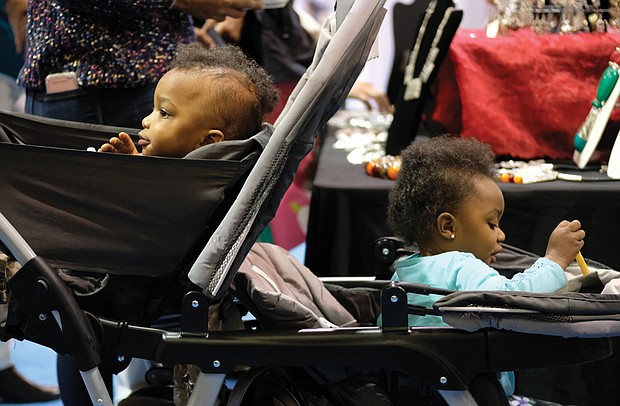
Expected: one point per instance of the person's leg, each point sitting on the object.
(15, 388)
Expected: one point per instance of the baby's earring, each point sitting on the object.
(452, 236)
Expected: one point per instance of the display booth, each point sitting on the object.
(524, 93)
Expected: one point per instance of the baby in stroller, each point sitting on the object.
(209, 95)
(447, 202)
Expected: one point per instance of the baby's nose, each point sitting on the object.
(501, 236)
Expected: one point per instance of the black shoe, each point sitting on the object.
(15, 388)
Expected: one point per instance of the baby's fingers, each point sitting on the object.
(124, 138)
(580, 234)
(117, 142)
(114, 144)
(574, 225)
(107, 147)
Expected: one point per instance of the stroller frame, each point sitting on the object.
(54, 319)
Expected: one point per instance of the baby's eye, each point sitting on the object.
(163, 113)
(493, 226)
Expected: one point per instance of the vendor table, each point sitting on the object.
(525, 94)
(348, 212)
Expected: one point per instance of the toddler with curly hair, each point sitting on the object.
(447, 202)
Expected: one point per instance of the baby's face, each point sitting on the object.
(179, 123)
(477, 221)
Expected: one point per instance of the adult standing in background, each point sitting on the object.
(110, 54)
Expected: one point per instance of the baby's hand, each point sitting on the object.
(565, 242)
(123, 144)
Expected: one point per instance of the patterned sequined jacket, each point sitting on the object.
(109, 43)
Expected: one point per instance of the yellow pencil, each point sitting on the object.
(582, 264)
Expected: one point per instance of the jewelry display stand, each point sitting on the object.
(423, 32)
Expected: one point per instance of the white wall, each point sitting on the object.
(475, 12)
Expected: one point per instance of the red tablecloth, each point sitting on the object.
(525, 94)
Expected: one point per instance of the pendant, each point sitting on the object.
(413, 89)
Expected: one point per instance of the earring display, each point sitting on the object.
(556, 16)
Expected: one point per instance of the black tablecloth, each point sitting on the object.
(348, 212)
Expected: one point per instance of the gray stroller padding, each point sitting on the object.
(286, 294)
(558, 314)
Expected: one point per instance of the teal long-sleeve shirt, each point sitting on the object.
(463, 271)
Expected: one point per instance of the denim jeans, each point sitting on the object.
(114, 107)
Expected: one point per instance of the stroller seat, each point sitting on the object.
(573, 315)
(153, 211)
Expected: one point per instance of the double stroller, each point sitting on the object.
(140, 237)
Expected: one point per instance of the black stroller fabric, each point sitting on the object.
(33, 130)
(562, 314)
(152, 214)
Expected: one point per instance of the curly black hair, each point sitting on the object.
(246, 92)
(436, 175)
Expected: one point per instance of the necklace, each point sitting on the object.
(413, 84)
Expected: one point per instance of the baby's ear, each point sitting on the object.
(213, 136)
(445, 225)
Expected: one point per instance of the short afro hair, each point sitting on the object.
(436, 176)
(246, 93)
